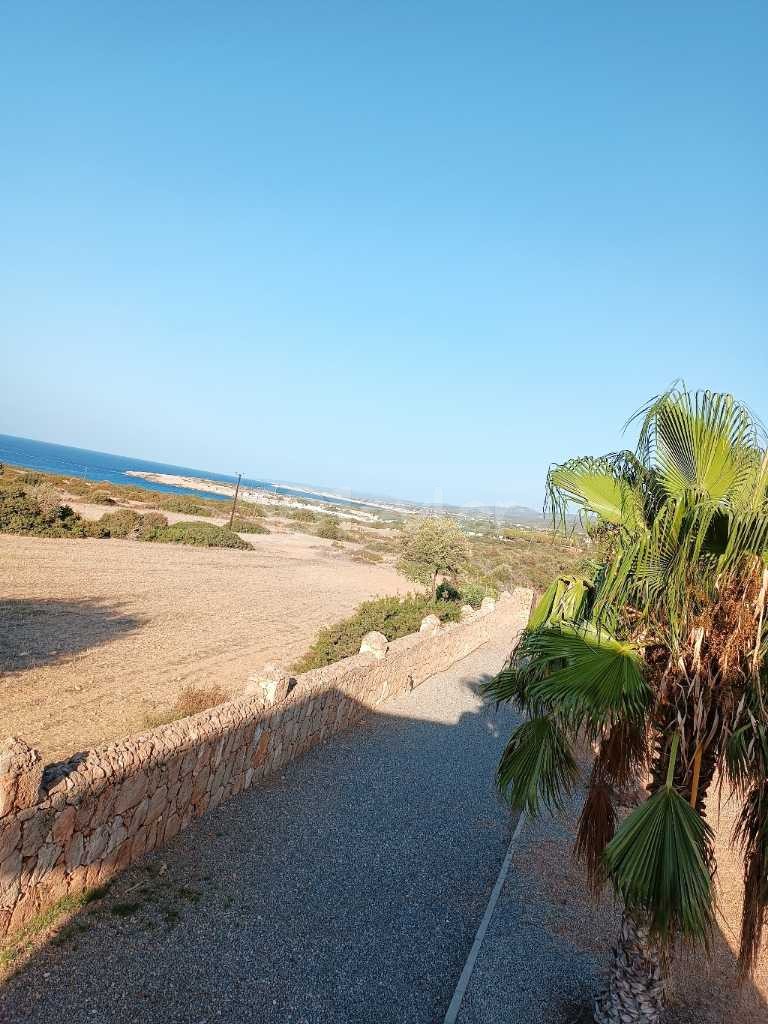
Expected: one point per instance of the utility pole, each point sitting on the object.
(234, 503)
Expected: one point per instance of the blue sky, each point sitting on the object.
(421, 249)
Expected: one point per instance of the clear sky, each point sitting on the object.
(420, 249)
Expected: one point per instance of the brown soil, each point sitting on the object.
(98, 634)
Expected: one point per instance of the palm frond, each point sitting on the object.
(596, 827)
(658, 862)
(537, 767)
(586, 676)
(566, 598)
(751, 833)
(701, 443)
(606, 487)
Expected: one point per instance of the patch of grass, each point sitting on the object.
(202, 535)
(22, 940)
(328, 529)
(121, 523)
(101, 498)
(185, 504)
(367, 556)
(240, 525)
(250, 510)
(392, 616)
(190, 701)
(300, 515)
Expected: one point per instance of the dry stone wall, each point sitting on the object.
(71, 826)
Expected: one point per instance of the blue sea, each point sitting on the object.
(94, 466)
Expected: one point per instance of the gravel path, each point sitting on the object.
(349, 889)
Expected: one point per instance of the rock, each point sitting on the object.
(487, 605)
(21, 773)
(271, 684)
(375, 644)
(64, 824)
(505, 596)
(430, 624)
(467, 612)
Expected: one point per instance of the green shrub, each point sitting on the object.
(150, 519)
(78, 487)
(301, 515)
(23, 513)
(328, 528)
(202, 535)
(473, 591)
(101, 498)
(247, 526)
(392, 616)
(185, 504)
(249, 510)
(121, 523)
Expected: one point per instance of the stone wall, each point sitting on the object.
(72, 826)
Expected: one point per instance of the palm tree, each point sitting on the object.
(656, 654)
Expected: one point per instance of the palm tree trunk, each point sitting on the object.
(635, 992)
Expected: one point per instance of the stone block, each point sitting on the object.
(430, 625)
(375, 644)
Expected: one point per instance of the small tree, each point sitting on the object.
(432, 547)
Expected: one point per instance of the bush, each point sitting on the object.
(201, 535)
(392, 616)
(473, 591)
(121, 523)
(47, 499)
(247, 526)
(78, 487)
(23, 513)
(190, 701)
(328, 529)
(185, 504)
(431, 547)
(101, 498)
(301, 515)
(248, 510)
(150, 519)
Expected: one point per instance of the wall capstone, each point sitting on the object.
(271, 684)
(21, 773)
(375, 644)
(430, 624)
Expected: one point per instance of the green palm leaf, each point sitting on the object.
(537, 766)
(658, 862)
(598, 486)
(701, 443)
(586, 676)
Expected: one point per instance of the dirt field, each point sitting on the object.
(99, 633)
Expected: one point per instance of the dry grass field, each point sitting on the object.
(99, 635)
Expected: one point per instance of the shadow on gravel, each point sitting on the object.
(43, 632)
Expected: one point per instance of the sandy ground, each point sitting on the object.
(96, 634)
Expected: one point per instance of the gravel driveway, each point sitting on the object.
(347, 889)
